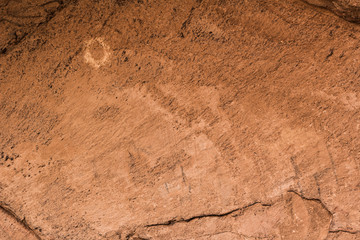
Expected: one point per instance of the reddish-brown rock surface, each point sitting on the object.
(347, 9)
(178, 120)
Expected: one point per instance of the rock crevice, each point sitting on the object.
(13, 226)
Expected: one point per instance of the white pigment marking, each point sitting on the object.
(88, 57)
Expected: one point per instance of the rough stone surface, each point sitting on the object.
(292, 217)
(347, 9)
(180, 120)
(13, 228)
(19, 18)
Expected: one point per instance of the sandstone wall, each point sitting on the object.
(178, 120)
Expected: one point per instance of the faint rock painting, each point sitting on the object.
(96, 52)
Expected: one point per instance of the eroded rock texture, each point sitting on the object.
(12, 227)
(181, 120)
(347, 9)
(19, 18)
(291, 217)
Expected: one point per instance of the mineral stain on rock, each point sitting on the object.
(179, 119)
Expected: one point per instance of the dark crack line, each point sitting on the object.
(331, 214)
(11, 22)
(344, 231)
(174, 221)
(312, 199)
(23, 222)
(350, 13)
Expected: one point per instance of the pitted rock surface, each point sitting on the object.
(179, 120)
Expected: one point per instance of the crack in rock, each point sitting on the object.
(174, 221)
(22, 222)
(312, 199)
(278, 204)
(331, 214)
(344, 231)
(348, 11)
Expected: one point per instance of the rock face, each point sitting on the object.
(347, 9)
(12, 227)
(290, 218)
(19, 18)
(180, 120)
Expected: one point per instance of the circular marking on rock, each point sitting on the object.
(92, 49)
